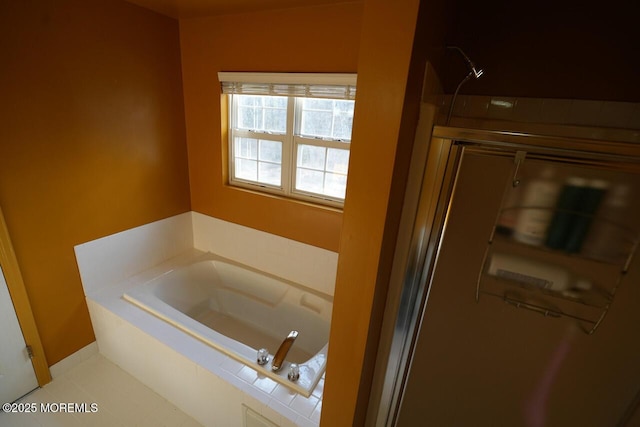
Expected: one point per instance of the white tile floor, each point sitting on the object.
(122, 401)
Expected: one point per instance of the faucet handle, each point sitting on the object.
(294, 372)
(263, 356)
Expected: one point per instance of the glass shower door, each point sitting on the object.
(538, 247)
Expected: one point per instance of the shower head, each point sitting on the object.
(476, 73)
(473, 71)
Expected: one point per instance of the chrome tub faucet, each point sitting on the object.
(280, 355)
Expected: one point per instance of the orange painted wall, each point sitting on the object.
(384, 124)
(306, 39)
(92, 142)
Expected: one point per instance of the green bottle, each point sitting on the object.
(565, 215)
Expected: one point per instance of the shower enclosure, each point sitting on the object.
(518, 297)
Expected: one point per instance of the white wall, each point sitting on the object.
(112, 259)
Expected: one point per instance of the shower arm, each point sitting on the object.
(455, 94)
(472, 67)
(473, 72)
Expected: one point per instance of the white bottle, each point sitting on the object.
(539, 199)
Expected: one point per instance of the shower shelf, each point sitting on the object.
(509, 243)
(548, 281)
(625, 239)
(551, 281)
(563, 237)
(595, 296)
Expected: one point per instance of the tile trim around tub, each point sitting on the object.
(112, 259)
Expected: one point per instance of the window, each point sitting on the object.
(290, 137)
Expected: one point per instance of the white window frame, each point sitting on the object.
(291, 139)
(285, 139)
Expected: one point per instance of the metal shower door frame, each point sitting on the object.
(427, 229)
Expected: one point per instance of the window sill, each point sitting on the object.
(284, 199)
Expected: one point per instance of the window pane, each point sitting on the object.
(345, 106)
(337, 160)
(309, 180)
(246, 148)
(247, 100)
(269, 173)
(317, 104)
(247, 118)
(316, 123)
(246, 169)
(258, 160)
(326, 118)
(310, 156)
(343, 121)
(275, 101)
(313, 162)
(316, 116)
(342, 127)
(270, 151)
(261, 113)
(275, 120)
(335, 185)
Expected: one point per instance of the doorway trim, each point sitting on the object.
(21, 303)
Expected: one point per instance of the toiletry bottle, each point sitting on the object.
(539, 198)
(564, 217)
(608, 238)
(588, 205)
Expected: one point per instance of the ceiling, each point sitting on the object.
(198, 8)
